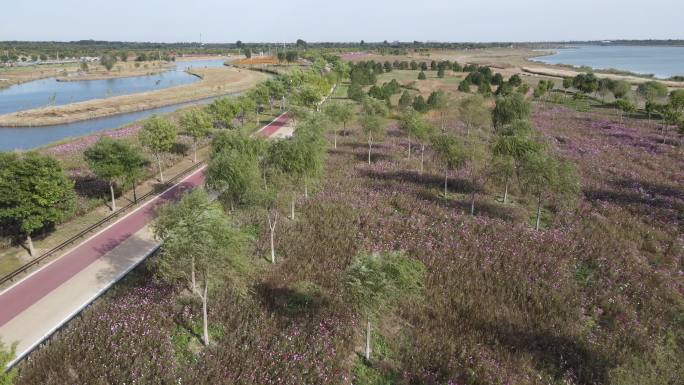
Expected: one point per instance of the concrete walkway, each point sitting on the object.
(35, 307)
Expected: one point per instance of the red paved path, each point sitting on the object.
(30, 290)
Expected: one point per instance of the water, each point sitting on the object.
(43, 92)
(663, 62)
(23, 138)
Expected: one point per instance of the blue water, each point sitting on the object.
(663, 62)
(23, 138)
(44, 92)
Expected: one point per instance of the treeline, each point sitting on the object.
(36, 194)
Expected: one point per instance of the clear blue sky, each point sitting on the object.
(350, 20)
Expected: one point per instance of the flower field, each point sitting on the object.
(596, 298)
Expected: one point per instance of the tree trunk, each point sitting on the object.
(194, 155)
(306, 189)
(29, 242)
(446, 181)
(135, 195)
(472, 203)
(335, 138)
(111, 190)
(161, 174)
(292, 210)
(422, 157)
(505, 198)
(272, 226)
(368, 339)
(370, 146)
(193, 282)
(409, 147)
(204, 313)
(539, 201)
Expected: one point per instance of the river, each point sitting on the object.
(23, 138)
(661, 61)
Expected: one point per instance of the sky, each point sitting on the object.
(351, 20)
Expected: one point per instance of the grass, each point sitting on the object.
(594, 299)
(215, 82)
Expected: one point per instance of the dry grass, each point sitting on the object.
(215, 82)
(120, 70)
(567, 73)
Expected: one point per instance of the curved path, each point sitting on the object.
(35, 307)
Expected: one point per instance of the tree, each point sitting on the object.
(510, 108)
(158, 135)
(114, 160)
(291, 56)
(339, 113)
(474, 113)
(372, 106)
(440, 72)
(6, 356)
(108, 61)
(567, 84)
(423, 66)
(198, 242)
(650, 92)
(374, 129)
(621, 89)
(281, 56)
(515, 80)
(405, 100)
(484, 88)
(586, 83)
(625, 106)
(355, 92)
(419, 104)
(464, 86)
(544, 176)
(413, 66)
(511, 146)
(196, 122)
(450, 153)
(222, 112)
(421, 76)
(34, 193)
(497, 79)
(234, 175)
(375, 282)
(247, 52)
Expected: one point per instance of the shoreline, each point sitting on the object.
(214, 82)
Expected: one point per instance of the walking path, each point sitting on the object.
(35, 307)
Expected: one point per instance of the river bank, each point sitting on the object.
(214, 82)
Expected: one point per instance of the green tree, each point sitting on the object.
(405, 100)
(421, 76)
(222, 112)
(474, 113)
(651, 91)
(355, 92)
(374, 128)
(196, 122)
(114, 161)
(621, 89)
(234, 175)
(108, 61)
(544, 176)
(158, 135)
(199, 242)
(515, 80)
(567, 84)
(376, 282)
(440, 72)
(586, 83)
(450, 152)
(484, 88)
(625, 106)
(34, 193)
(419, 104)
(510, 147)
(509, 109)
(339, 113)
(464, 86)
